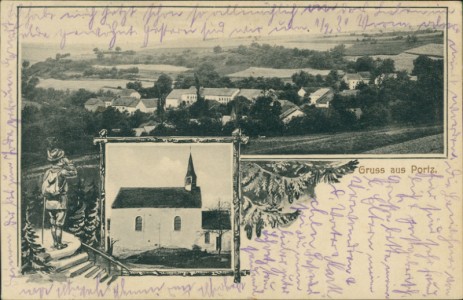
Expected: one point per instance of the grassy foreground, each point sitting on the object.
(179, 258)
(350, 142)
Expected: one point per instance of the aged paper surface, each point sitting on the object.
(231, 150)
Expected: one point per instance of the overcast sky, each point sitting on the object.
(148, 26)
(165, 165)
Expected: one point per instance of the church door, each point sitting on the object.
(218, 243)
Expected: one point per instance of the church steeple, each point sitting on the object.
(190, 177)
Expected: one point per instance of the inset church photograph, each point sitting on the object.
(169, 206)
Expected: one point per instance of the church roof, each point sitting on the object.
(210, 220)
(158, 197)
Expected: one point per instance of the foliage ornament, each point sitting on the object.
(269, 189)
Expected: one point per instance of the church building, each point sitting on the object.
(147, 218)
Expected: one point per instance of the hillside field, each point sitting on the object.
(356, 142)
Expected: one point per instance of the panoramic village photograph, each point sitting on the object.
(364, 93)
(373, 92)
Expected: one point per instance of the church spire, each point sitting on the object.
(190, 177)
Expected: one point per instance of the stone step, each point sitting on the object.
(104, 277)
(100, 274)
(79, 269)
(67, 238)
(91, 271)
(69, 262)
(113, 278)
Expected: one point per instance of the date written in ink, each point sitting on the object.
(397, 170)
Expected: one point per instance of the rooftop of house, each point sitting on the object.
(326, 98)
(286, 104)
(320, 92)
(224, 92)
(158, 197)
(250, 93)
(150, 103)
(106, 98)
(177, 93)
(365, 75)
(125, 101)
(216, 220)
(353, 76)
(94, 101)
(289, 112)
(287, 108)
(100, 109)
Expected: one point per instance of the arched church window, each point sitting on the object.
(138, 223)
(207, 237)
(177, 223)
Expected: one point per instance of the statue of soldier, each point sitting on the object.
(54, 190)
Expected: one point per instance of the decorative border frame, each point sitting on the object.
(236, 139)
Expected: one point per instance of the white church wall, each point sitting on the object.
(157, 229)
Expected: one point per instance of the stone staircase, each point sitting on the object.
(74, 260)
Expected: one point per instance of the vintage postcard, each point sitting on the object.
(231, 150)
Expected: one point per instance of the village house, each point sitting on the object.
(147, 105)
(145, 128)
(302, 92)
(122, 103)
(353, 79)
(181, 96)
(321, 98)
(289, 110)
(131, 104)
(379, 79)
(231, 117)
(187, 97)
(146, 218)
(221, 95)
(94, 104)
(225, 119)
(125, 103)
(108, 101)
(212, 222)
(124, 92)
(357, 111)
(384, 76)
